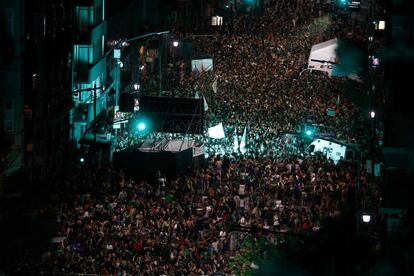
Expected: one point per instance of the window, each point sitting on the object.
(8, 116)
(85, 17)
(84, 54)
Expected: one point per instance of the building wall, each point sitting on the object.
(90, 54)
(11, 85)
(47, 79)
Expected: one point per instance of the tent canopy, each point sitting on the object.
(339, 59)
(323, 56)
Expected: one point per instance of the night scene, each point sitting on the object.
(206, 137)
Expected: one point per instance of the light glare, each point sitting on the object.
(366, 218)
(141, 126)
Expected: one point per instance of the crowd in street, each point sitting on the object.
(112, 224)
(256, 65)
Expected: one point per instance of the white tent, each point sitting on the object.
(323, 56)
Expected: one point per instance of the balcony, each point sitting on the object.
(81, 73)
(83, 35)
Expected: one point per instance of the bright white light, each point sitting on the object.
(370, 38)
(308, 132)
(175, 43)
(216, 21)
(381, 25)
(372, 114)
(141, 67)
(141, 126)
(366, 218)
(121, 64)
(117, 53)
(82, 160)
(136, 86)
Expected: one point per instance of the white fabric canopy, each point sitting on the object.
(323, 56)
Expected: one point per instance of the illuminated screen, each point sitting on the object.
(202, 65)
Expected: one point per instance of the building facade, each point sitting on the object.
(11, 86)
(35, 86)
(94, 72)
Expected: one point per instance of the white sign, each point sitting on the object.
(202, 65)
(117, 53)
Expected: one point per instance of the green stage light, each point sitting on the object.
(309, 132)
(342, 3)
(141, 126)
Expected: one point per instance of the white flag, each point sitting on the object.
(338, 100)
(214, 85)
(243, 141)
(205, 104)
(216, 132)
(236, 141)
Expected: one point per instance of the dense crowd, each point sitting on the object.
(257, 61)
(112, 224)
(115, 225)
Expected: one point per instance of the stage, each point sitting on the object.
(171, 157)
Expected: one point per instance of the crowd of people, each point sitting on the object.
(257, 64)
(112, 224)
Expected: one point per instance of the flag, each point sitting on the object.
(214, 85)
(243, 142)
(338, 100)
(216, 132)
(235, 142)
(205, 104)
